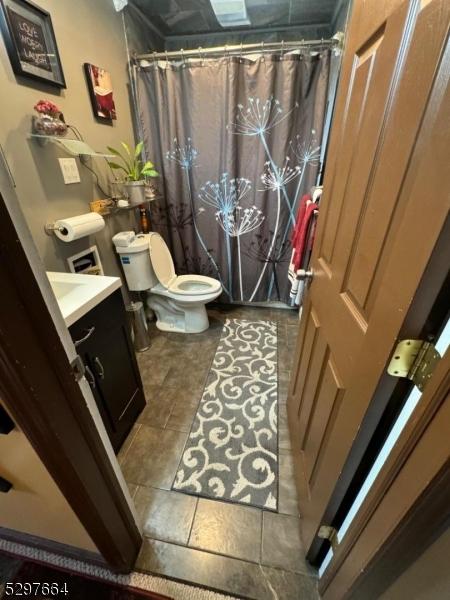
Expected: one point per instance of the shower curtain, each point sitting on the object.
(237, 143)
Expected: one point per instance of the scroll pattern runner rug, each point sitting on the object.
(232, 450)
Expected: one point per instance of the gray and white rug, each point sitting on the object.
(232, 450)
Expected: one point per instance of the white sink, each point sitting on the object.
(76, 294)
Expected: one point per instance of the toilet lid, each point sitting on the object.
(161, 260)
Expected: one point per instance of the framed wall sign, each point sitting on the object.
(30, 41)
(101, 92)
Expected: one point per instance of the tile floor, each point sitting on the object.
(232, 548)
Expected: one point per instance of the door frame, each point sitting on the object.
(424, 523)
(376, 527)
(41, 394)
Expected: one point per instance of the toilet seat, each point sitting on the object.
(193, 285)
(183, 285)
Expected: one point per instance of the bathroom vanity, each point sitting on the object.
(94, 312)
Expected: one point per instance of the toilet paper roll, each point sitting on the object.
(74, 228)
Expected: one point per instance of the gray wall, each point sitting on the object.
(141, 35)
(86, 31)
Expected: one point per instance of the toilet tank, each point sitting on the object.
(135, 259)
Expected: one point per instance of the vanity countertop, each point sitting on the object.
(77, 294)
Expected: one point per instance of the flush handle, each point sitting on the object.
(99, 368)
(90, 331)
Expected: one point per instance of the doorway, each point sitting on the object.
(325, 373)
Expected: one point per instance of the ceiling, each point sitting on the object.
(193, 17)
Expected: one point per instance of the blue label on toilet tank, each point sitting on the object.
(125, 260)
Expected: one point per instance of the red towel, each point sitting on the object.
(299, 218)
(299, 237)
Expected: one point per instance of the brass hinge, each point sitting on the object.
(415, 360)
(326, 532)
(78, 367)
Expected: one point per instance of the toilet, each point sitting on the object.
(177, 300)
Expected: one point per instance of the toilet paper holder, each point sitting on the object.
(50, 228)
(76, 227)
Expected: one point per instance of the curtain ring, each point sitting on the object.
(155, 62)
(227, 55)
(282, 48)
(262, 51)
(167, 60)
(240, 54)
(183, 57)
(201, 54)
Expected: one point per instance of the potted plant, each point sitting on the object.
(50, 120)
(136, 171)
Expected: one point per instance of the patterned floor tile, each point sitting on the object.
(153, 457)
(227, 529)
(183, 413)
(281, 543)
(165, 515)
(224, 574)
(160, 402)
(288, 500)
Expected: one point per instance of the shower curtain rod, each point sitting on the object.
(238, 49)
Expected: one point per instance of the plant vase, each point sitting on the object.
(151, 191)
(136, 192)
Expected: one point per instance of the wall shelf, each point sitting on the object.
(115, 209)
(70, 145)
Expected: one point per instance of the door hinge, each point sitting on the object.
(326, 532)
(415, 360)
(78, 367)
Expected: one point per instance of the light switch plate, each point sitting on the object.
(69, 170)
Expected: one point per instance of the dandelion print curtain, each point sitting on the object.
(237, 143)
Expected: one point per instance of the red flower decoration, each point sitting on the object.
(46, 107)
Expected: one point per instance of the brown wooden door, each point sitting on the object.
(377, 229)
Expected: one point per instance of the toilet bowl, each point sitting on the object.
(177, 300)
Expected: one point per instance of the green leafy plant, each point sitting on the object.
(131, 164)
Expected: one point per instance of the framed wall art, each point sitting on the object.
(101, 92)
(30, 42)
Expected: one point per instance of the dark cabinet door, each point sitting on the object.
(111, 366)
